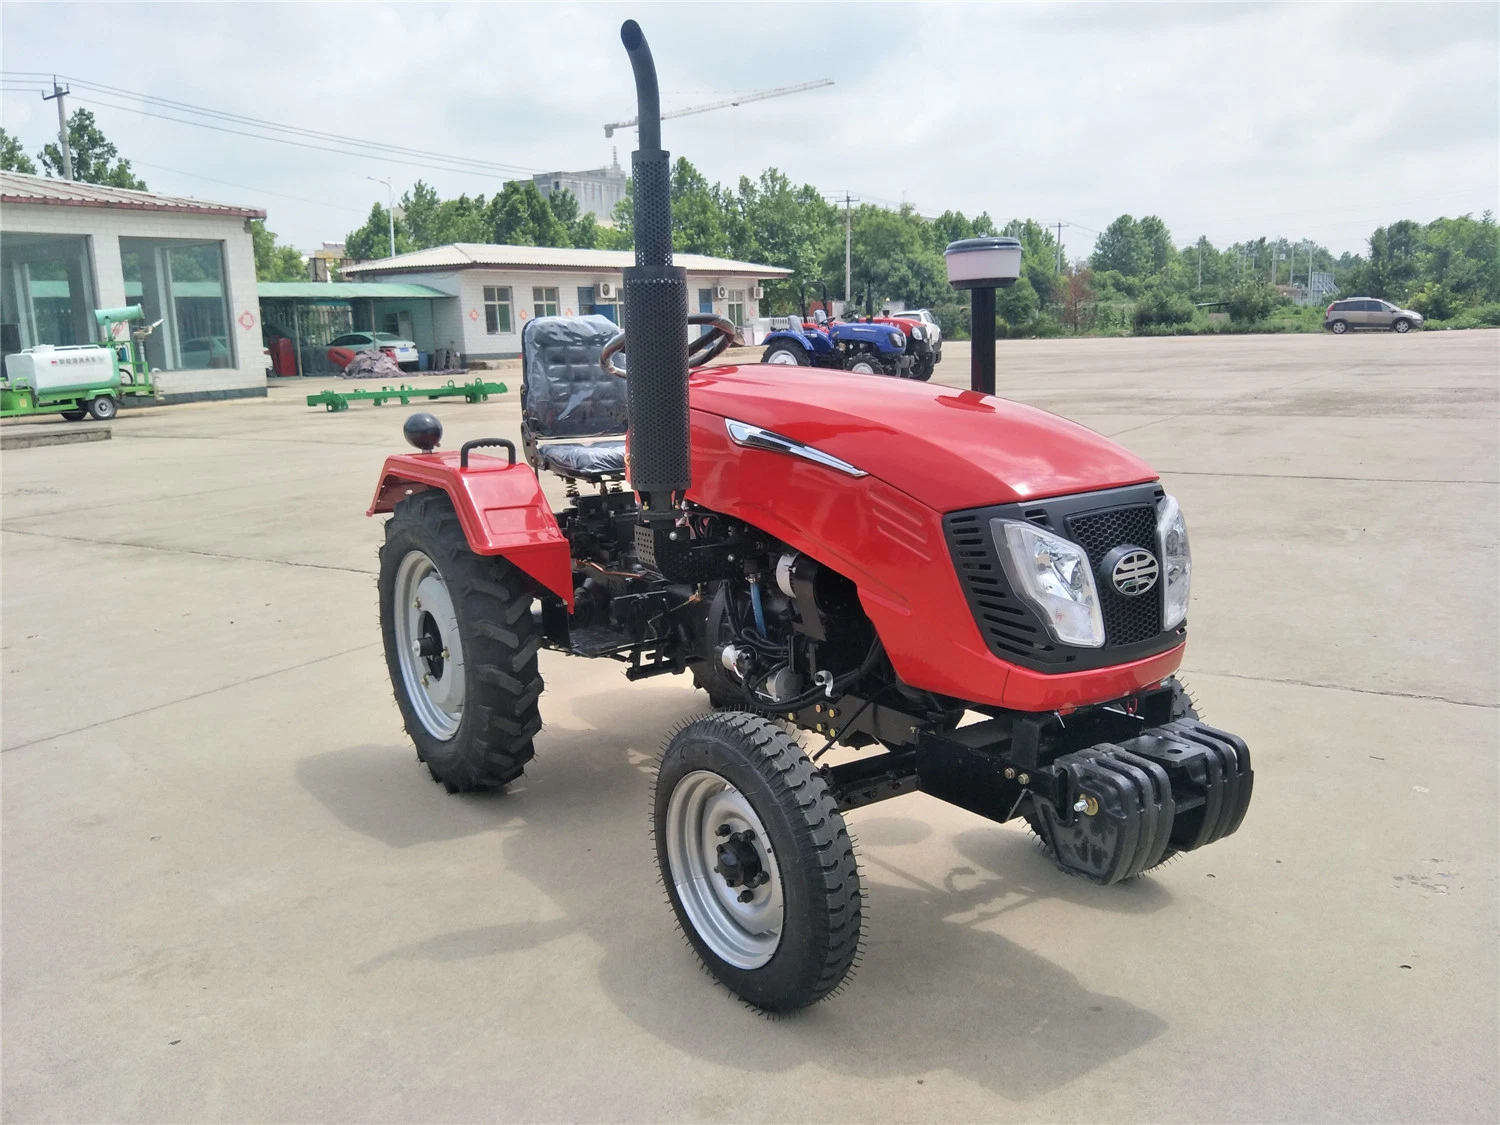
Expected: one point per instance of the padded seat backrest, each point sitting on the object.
(564, 391)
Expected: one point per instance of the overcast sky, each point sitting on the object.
(1309, 121)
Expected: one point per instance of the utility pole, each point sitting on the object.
(390, 212)
(58, 94)
(848, 243)
(1200, 261)
(1059, 247)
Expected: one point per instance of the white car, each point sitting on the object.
(404, 352)
(934, 329)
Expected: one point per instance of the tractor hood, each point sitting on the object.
(947, 448)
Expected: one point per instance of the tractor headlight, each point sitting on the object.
(898, 340)
(1053, 574)
(918, 334)
(1176, 561)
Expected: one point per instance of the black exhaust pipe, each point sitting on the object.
(655, 312)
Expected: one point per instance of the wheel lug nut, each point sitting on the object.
(746, 896)
(722, 830)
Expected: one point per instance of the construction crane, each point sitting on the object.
(758, 96)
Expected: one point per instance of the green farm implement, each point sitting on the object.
(82, 381)
(477, 391)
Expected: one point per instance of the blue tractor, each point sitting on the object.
(874, 349)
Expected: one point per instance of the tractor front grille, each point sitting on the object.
(1127, 621)
(1098, 522)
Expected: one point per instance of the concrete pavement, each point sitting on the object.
(229, 893)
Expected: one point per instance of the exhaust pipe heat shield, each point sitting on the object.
(660, 465)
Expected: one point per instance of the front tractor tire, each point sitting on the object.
(461, 646)
(867, 363)
(756, 861)
(786, 354)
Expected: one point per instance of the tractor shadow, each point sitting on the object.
(938, 988)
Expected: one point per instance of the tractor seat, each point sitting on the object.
(581, 459)
(567, 396)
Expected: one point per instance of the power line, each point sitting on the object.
(389, 159)
(262, 124)
(247, 187)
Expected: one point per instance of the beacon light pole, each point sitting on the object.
(983, 265)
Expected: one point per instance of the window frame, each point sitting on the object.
(540, 302)
(493, 307)
(730, 304)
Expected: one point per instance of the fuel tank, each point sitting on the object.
(948, 449)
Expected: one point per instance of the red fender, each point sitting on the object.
(500, 506)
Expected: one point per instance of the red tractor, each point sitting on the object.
(965, 596)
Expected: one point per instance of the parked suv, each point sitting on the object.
(1368, 312)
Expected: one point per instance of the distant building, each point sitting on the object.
(597, 190)
(326, 261)
(68, 248)
(493, 290)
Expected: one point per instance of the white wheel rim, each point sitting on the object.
(784, 359)
(744, 934)
(863, 367)
(424, 615)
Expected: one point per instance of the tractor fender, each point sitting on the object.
(500, 507)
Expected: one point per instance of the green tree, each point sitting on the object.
(519, 216)
(95, 159)
(1122, 249)
(1156, 243)
(1161, 305)
(13, 157)
(273, 262)
(1251, 299)
(373, 240)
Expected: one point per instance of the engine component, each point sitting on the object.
(782, 684)
(736, 661)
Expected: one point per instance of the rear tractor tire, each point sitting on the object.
(461, 646)
(756, 861)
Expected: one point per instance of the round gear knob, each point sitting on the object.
(423, 431)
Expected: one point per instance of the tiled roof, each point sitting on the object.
(471, 255)
(17, 187)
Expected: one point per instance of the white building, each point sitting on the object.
(498, 288)
(69, 248)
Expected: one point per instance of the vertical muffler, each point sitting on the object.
(660, 466)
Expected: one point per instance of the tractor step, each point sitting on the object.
(598, 640)
(477, 391)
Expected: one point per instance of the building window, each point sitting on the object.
(181, 284)
(497, 309)
(737, 307)
(46, 291)
(544, 301)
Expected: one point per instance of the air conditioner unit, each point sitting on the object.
(607, 291)
(758, 293)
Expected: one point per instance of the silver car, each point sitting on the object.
(1368, 312)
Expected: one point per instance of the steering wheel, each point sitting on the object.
(711, 344)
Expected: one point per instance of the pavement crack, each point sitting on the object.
(190, 698)
(181, 550)
(1344, 687)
